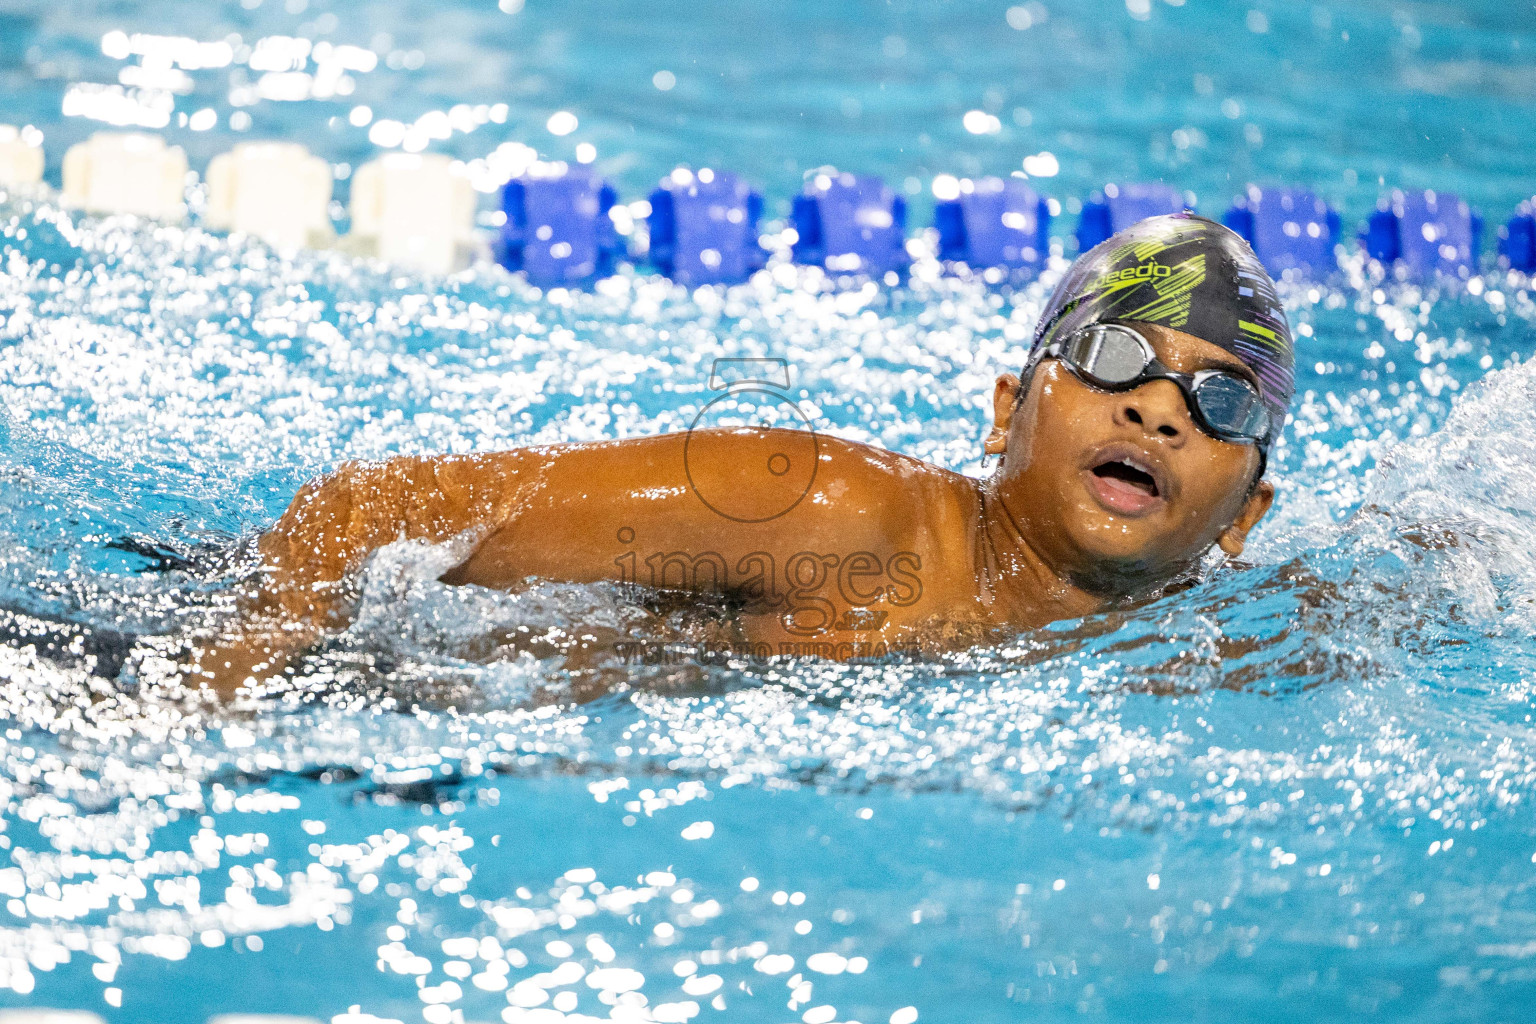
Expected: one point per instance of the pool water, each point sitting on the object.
(1299, 791)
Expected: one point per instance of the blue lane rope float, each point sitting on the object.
(1288, 228)
(995, 222)
(703, 228)
(558, 231)
(1429, 232)
(1517, 239)
(850, 224)
(1118, 206)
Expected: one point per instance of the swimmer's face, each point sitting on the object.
(1121, 490)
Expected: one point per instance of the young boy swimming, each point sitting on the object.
(1134, 440)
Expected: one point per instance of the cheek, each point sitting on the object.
(1217, 479)
(1061, 417)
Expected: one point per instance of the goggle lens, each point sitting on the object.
(1231, 405)
(1108, 356)
(1115, 357)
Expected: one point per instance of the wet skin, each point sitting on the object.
(1098, 497)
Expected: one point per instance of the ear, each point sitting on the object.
(1005, 398)
(1235, 536)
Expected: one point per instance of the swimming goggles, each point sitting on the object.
(1113, 357)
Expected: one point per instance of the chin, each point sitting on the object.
(1121, 558)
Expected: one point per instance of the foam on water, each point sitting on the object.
(1309, 774)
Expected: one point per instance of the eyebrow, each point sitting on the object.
(1242, 370)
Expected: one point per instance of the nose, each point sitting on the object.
(1157, 407)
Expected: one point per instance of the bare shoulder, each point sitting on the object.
(852, 466)
(834, 454)
(896, 495)
(839, 452)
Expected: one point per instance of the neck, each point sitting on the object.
(1017, 583)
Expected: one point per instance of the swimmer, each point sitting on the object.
(1133, 441)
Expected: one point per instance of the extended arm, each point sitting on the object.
(330, 529)
(758, 514)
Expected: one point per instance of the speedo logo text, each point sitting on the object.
(1144, 272)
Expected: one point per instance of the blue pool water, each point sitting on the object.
(1300, 791)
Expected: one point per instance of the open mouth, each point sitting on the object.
(1119, 473)
(1125, 484)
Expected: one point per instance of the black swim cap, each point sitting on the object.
(1188, 273)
